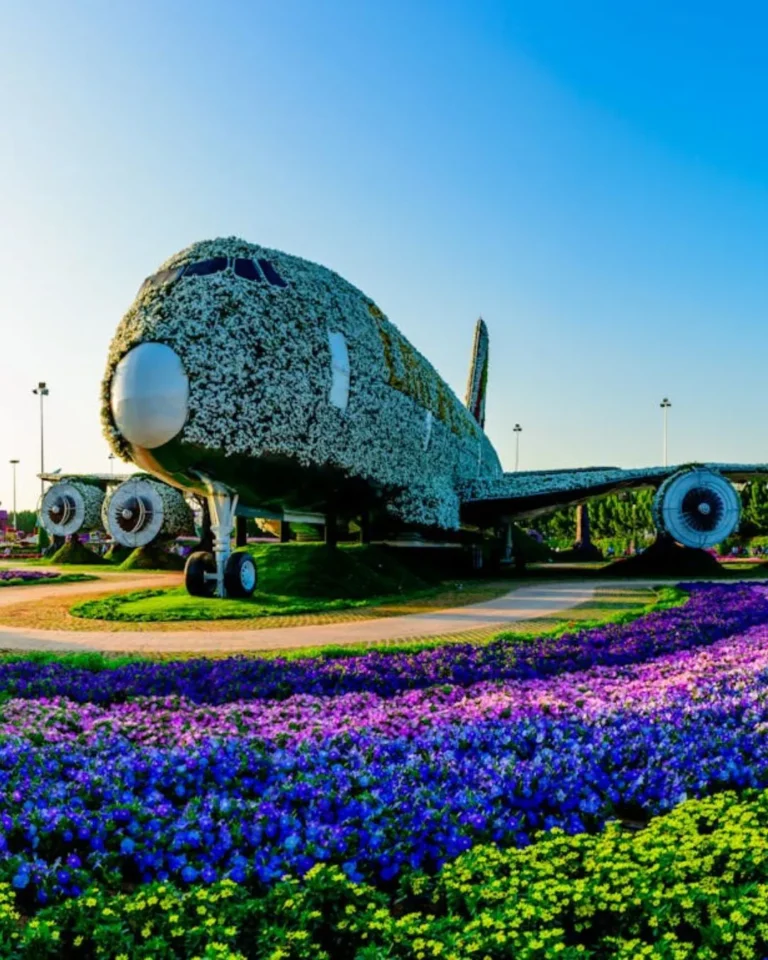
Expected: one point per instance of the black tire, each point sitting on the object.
(198, 564)
(240, 576)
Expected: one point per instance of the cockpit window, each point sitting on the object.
(243, 267)
(247, 269)
(205, 267)
(271, 274)
(161, 278)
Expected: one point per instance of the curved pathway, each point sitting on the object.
(107, 582)
(523, 603)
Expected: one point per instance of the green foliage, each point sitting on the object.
(26, 521)
(347, 572)
(527, 548)
(693, 884)
(622, 516)
(754, 504)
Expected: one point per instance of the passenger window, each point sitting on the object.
(247, 269)
(271, 274)
(205, 267)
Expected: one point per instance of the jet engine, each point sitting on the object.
(70, 506)
(696, 507)
(141, 509)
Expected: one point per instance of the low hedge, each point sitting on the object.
(694, 883)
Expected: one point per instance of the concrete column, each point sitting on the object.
(241, 531)
(331, 533)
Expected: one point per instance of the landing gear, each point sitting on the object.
(223, 573)
(240, 575)
(200, 574)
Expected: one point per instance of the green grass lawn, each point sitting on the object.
(293, 579)
(160, 606)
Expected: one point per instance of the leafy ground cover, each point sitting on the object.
(294, 579)
(175, 604)
(693, 885)
(408, 789)
(18, 578)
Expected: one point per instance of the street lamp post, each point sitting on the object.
(15, 519)
(517, 430)
(665, 405)
(41, 390)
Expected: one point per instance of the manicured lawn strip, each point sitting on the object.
(175, 604)
(713, 611)
(694, 884)
(38, 578)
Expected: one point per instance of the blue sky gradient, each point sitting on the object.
(591, 178)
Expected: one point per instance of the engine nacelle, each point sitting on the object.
(141, 509)
(697, 508)
(70, 506)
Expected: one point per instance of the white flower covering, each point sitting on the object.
(532, 483)
(178, 519)
(93, 497)
(259, 367)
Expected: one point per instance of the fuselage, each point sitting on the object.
(277, 378)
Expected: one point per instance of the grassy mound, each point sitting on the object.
(666, 559)
(76, 553)
(170, 606)
(527, 548)
(348, 572)
(152, 557)
(117, 553)
(295, 578)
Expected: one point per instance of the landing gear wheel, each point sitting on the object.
(240, 575)
(198, 564)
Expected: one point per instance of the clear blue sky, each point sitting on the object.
(591, 177)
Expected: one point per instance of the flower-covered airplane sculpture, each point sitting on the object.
(273, 387)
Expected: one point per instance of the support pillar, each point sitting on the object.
(285, 531)
(206, 534)
(584, 546)
(222, 505)
(241, 534)
(331, 533)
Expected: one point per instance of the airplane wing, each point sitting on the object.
(530, 493)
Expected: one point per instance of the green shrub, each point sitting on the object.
(693, 884)
(75, 552)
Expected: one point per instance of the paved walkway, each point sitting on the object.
(525, 603)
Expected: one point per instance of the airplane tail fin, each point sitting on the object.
(478, 374)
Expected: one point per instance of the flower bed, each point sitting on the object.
(16, 578)
(693, 885)
(382, 770)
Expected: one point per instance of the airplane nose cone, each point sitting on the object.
(150, 394)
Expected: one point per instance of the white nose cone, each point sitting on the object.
(150, 394)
